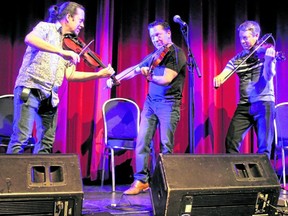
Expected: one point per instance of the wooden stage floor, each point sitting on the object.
(101, 201)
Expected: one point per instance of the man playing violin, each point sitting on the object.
(45, 63)
(162, 105)
(257, 100)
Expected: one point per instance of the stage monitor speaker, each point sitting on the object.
(49, 184)
(214, 185)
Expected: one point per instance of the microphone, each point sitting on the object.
(177, 19)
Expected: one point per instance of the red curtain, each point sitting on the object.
(119, 31)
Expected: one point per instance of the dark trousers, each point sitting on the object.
(260, 116)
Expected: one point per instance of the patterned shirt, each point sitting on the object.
(43, 70)
(253, 86)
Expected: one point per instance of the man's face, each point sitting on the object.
(159, 36)
(77, 21)
(247, 39)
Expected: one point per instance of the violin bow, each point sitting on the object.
(260, 43)
(148, 57)
(85, 48)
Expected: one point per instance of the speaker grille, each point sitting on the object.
(40, 184)
(185, 184)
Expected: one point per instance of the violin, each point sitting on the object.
(74, 43)
(260, 48)
(260, 52)
(157, 57)
(154, 59)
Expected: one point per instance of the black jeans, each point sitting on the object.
(259, 115)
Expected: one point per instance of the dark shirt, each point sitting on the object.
(175, 60)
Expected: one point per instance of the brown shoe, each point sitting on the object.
(137, 187)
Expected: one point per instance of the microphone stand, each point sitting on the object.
(192, 65)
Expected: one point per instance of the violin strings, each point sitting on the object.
(149, 57)
(259, 44)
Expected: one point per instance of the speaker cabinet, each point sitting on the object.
(214, 185)
(40, 185)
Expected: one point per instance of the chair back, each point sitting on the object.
(6, 115)
(6, 121)
(281, 124)
(121, 118)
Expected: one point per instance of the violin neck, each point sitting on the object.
(101, 64)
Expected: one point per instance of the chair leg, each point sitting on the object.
(283, 168)
(275, 159)
(113, 169)
(153, 157)
(103, 168)
(153, 161)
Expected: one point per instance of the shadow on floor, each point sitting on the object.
(101, 201)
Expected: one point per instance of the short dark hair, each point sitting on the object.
(250, 26)
(57, 12)
(163, 23)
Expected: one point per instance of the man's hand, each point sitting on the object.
(73, 57)
(270, 54)
(217, 81)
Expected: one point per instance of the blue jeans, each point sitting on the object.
(260, 115)
(166, 115)
(26, 113)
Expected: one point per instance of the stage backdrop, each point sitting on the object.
(119, 30)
